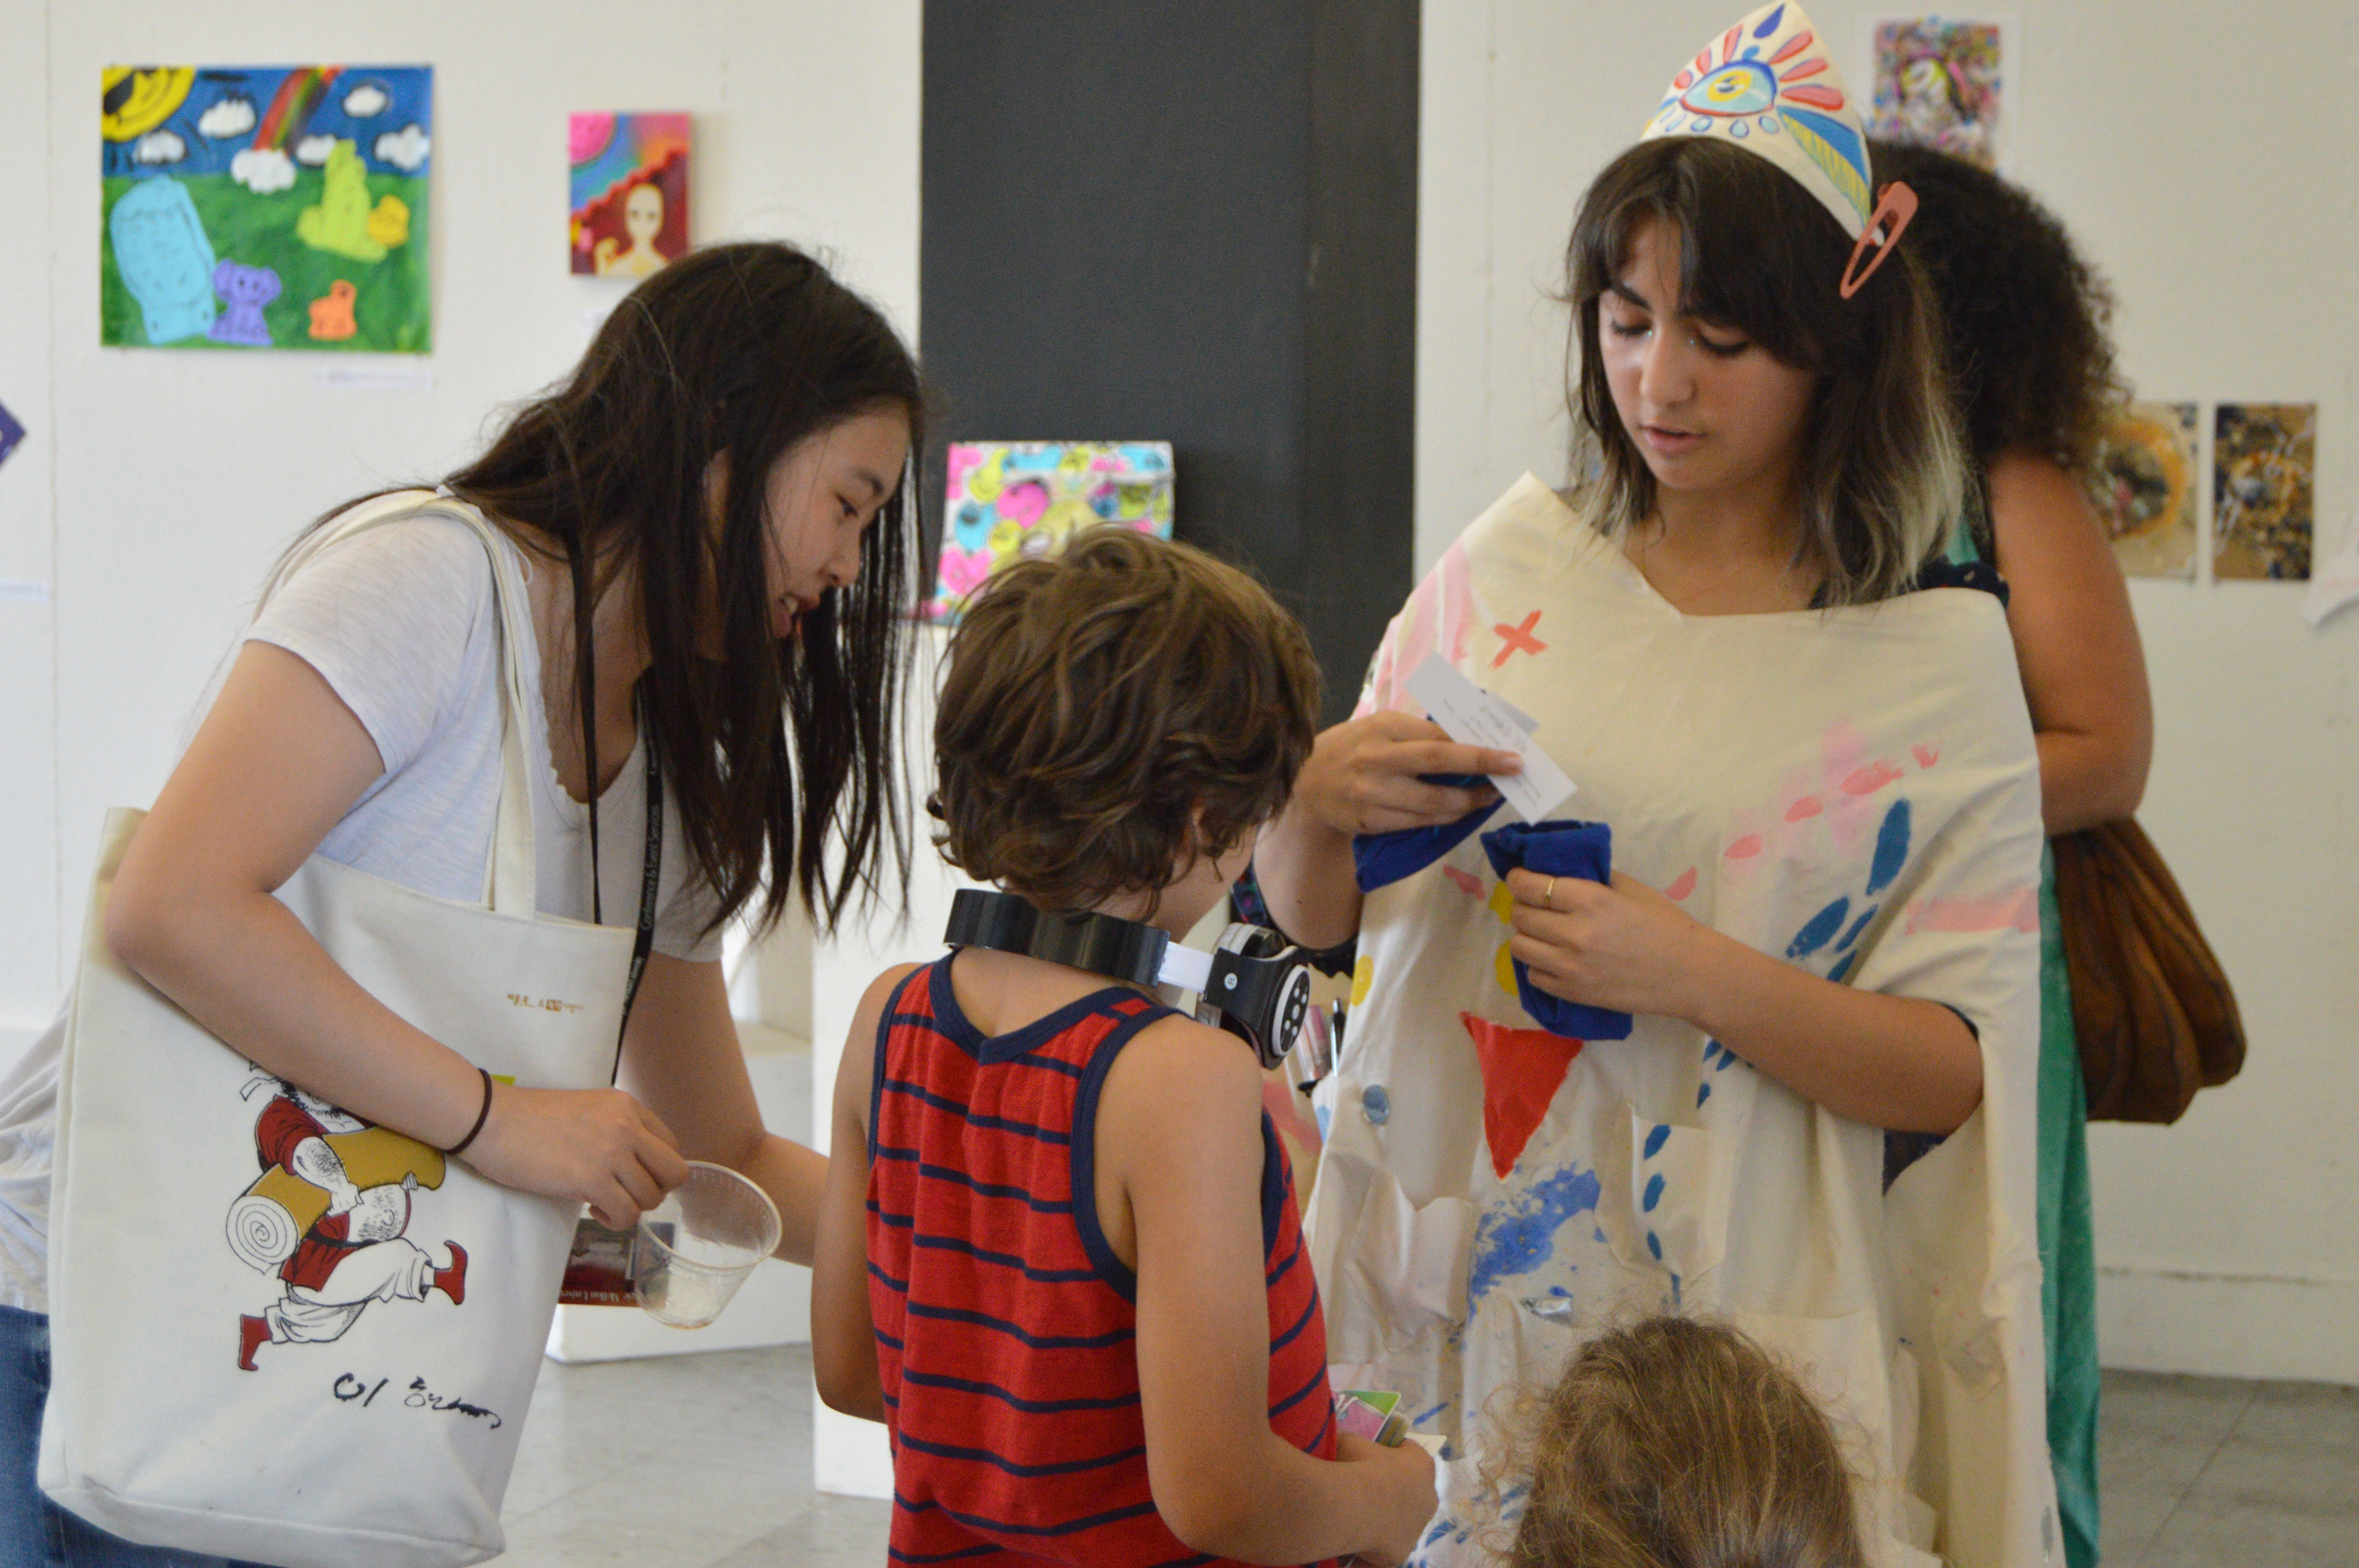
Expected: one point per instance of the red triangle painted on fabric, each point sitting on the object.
(1521, 1071)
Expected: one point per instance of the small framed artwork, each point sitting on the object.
(2144, 488)
(2264, 490)
(629, 192)
(1008, 499)
(1942, 82)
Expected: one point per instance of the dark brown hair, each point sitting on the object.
(2026, 320)
(1098, 700)
(1884, 478)
(738, 351)
(1675, 1444)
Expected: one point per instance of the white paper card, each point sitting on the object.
(1472, 716)
(2336, 583)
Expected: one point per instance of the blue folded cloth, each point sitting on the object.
(1582, 850)
(1379, 860)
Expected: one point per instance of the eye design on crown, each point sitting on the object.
(1741, 87)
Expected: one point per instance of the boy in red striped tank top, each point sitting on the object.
(1058, 1255)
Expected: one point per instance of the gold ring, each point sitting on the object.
(1548, 897)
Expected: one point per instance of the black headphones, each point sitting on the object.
(1255, 984)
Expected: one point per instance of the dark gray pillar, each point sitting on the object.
(1193, 221)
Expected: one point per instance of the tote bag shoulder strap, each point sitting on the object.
(510, 876)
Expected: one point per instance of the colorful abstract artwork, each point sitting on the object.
(1940, 83)
(629, 192)
(1769, 85)
(265, 207)
(2143, 486)
(1008, 499)
(2264, 488)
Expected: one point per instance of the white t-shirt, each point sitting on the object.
(399, 622)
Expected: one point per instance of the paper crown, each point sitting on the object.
(1767, 85)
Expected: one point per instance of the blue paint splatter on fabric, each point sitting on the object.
(1655, 1245)
(1821, 930)
(1521, 1236)
(1891, 848)
(1429, 1415)
(1843, 969)
(1656, 1139)
(1704, 1092)
(1857, 927)
(1654, 1193)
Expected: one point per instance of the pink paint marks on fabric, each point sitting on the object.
(1804, 809)
(1683, 885)
(1926, 755)
(1471, 886)
(1744, 849)
(1518, 639)
(1866, 781)
(2017, 910)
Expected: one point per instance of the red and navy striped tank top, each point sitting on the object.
(1004, 1323)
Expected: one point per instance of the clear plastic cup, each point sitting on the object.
(693, 1250)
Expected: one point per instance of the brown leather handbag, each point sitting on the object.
(2155, 1017)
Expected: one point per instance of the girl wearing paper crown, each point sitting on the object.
(1800, 744)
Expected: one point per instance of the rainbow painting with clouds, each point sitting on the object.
(265, 207)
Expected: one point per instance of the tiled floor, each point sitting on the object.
(682, 1462)
(2213, 1473)
(705, 1460)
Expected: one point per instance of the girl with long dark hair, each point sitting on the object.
(711, 525)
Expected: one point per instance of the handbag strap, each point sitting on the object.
(511, 873)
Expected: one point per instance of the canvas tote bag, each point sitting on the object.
(380, 1418)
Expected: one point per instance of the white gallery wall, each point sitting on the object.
(156, 485)
(2205, 162)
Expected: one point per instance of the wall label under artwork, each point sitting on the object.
(629, 192)
(265, 207)
(1008, 499)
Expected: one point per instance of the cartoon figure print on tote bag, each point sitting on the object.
(280, 1333)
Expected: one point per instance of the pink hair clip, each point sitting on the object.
(1894, 208)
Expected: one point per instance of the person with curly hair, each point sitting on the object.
(2026, 322)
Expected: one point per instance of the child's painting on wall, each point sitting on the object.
(1937, 82)
(2264, 488)
(1009, 500)
(2143, 489)
(630, 192)
(265, 207)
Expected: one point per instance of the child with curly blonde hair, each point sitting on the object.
(1675, 1444)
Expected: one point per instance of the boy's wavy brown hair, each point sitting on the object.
(1112, 712)
(1675, 1444)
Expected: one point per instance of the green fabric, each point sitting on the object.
(2067, 1291)
(2067, 1260)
